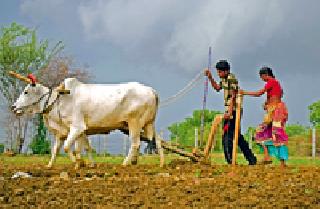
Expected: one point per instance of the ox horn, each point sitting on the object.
(20, 77)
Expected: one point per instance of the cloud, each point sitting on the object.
(187, 30)
(57, 17)
(141, 33)
(39, 10)
(230, 28)
(125, 22)
(168, 35)
(177, 34)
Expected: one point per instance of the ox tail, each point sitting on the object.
(157, 99)
(157, 139)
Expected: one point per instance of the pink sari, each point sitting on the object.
(273, 127)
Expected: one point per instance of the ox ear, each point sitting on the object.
(20, 77)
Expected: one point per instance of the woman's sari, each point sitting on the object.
(271, 132)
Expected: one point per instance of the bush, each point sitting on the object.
(40, 146)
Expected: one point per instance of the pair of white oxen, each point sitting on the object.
(88, 109)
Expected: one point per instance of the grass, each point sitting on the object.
(216, 158)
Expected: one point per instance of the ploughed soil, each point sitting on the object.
(180, 184)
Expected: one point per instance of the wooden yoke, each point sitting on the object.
(61, 89)
(214, 127)
(237, 128)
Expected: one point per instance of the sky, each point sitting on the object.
(164, 44)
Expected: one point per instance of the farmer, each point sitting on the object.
(229, 84)
(271, 135)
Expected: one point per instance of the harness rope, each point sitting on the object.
(47, 101)
(183, 91)
(187, 89)
(47, 108)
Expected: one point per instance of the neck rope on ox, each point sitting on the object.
(33, 103)
(48, 107)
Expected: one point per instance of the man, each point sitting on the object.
(229, 84)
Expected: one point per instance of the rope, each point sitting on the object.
(183, 91)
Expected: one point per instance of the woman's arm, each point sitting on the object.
(253, 93)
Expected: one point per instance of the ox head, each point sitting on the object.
(33, 97)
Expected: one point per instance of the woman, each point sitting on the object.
(271, 133)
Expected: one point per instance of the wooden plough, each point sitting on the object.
(196, 155)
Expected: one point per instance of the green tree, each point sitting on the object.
(315, 113)
(296, 130)
(183, 131)
(21, 52)
(39, 144)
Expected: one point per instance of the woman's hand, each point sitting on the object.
(227, 115)
(242, 92)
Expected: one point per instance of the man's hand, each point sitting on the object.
(241, 92)
(208, 73)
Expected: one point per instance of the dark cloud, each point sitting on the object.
(166, 43)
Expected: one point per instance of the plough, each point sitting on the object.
(196, 155)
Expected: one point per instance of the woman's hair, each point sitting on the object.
(266, 71)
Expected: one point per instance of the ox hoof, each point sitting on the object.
(134, 162)
(49, 166)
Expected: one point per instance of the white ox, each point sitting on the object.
(93, 109)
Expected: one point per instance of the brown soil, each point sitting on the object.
(180, 184)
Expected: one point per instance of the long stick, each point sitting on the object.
(313, 142)
(214, 127)
(179, 151)
(237, 128)
(204, 100)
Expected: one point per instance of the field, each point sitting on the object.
(180, 184)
